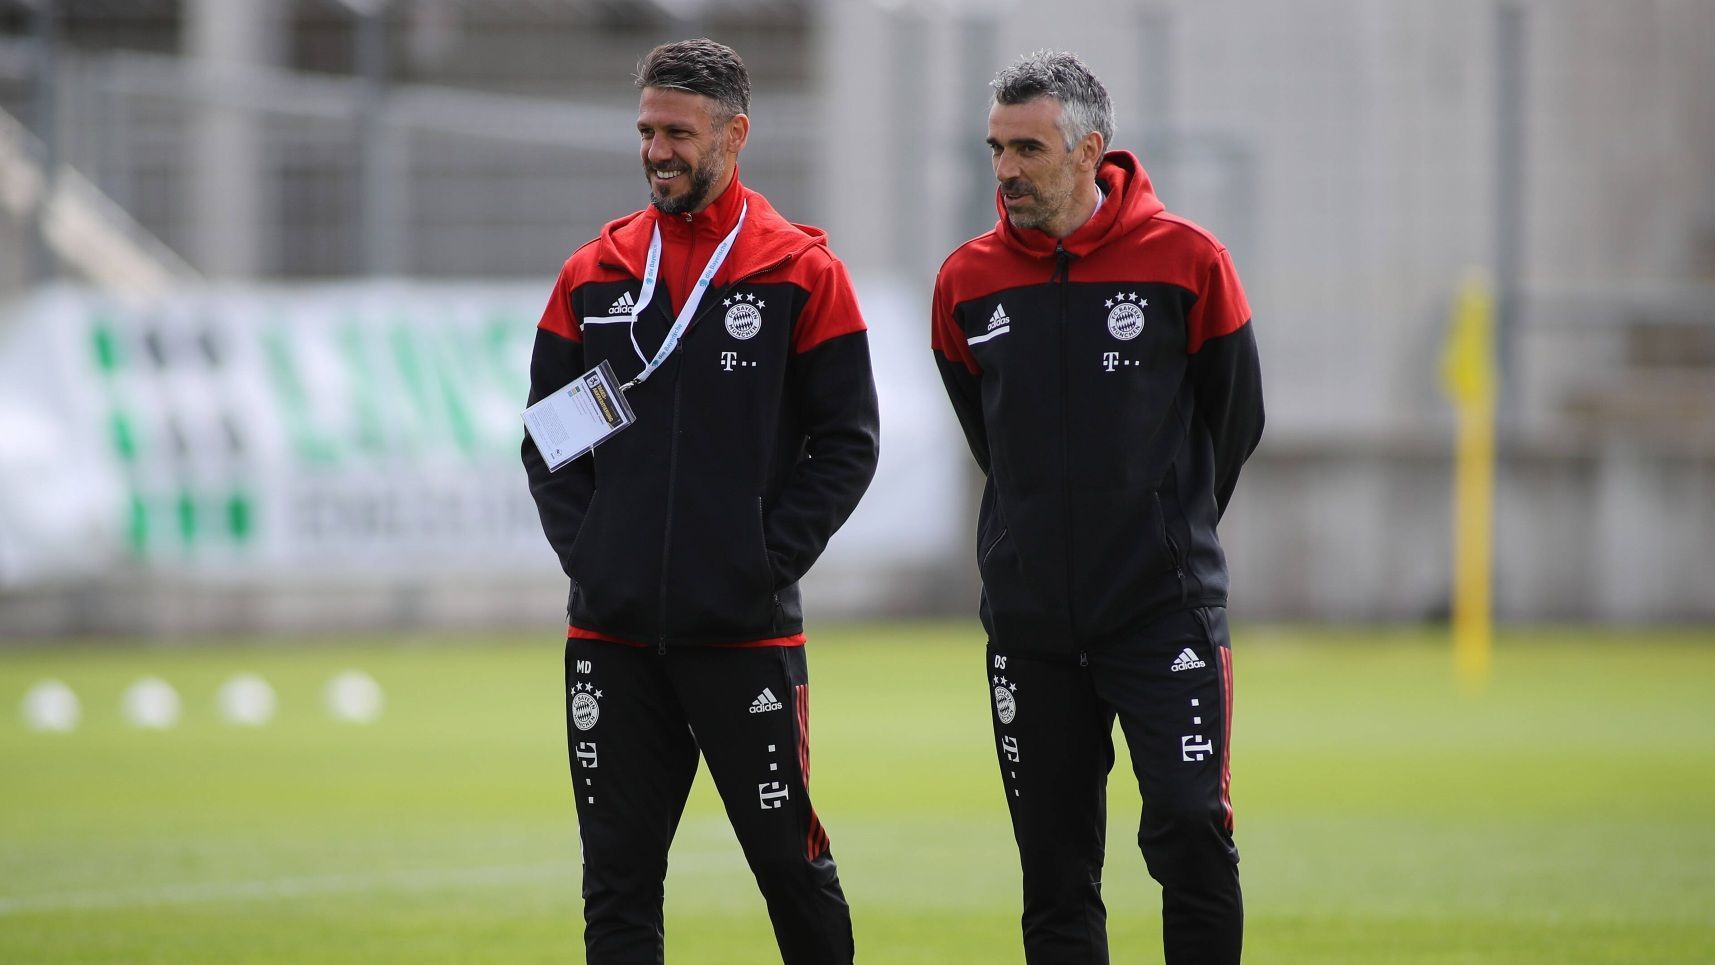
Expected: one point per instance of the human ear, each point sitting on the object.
(737, 132)
(1090, 150)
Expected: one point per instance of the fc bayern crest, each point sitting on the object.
(743, 317)
(1125, 316)
(1005, 704)
(586, 710)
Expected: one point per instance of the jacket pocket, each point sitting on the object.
(992, 530)
(987, 551)
(718, 579)
(613, 585)
(768, 563)
(584, 527)
(1174, 554)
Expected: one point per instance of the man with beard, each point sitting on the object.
(685, 534)
(1099, 355)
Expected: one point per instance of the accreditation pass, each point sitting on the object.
(578, 416)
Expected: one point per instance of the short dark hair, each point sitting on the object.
(699, 67)
(1083, 100)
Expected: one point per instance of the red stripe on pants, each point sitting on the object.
(1226, 655)
(816, 839)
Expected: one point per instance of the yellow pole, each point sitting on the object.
(1468, 371)
(1473, 528)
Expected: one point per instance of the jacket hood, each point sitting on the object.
(1130, 202)
(767, 239)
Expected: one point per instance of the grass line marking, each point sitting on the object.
(419, 879)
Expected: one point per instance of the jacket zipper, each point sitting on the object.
(768, 564)
(1063, 274)
(673, 466)
(594, 492)
(667, 527)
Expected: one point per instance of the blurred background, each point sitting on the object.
(269, 275)
(269, 271)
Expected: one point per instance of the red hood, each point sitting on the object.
(1130, 202)
(766, 241)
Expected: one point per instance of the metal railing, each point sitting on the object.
(80, 225)
(418, 180)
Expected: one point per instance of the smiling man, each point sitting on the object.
(1098, 353)
(684, 535)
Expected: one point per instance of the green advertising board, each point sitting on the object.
(244, 432)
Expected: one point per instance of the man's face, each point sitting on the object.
(1035, 171)
(686, 152)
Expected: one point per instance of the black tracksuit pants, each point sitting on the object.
(636, 720)
(1171, 688)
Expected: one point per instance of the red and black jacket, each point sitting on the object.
(1108, 386)
(753, 442)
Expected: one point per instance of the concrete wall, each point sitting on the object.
(1357, 530)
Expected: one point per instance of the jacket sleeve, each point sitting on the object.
(562, 497)
(959, 374)
(1226, 374)
(833, 390)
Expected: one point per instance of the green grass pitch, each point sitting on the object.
(1565, 814)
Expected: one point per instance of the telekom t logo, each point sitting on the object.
(1110, 360)
(771, 794)
(727, 360)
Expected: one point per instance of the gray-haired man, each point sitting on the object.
(1099, 355)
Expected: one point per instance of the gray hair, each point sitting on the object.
(1084, 104)
(699, 67)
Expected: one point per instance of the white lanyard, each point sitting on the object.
(651, 271)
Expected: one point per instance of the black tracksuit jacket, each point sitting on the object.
(753, 443)
(1108, 385)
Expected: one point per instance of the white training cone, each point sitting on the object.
(51, 706)
(246, 700)
(353, 696)
(152, 703)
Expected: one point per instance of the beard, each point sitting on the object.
(703, 176)
(1043, 209)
